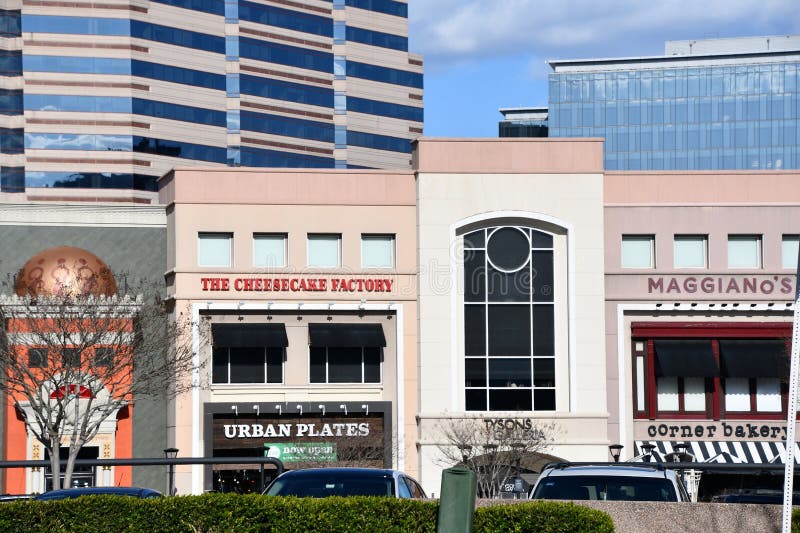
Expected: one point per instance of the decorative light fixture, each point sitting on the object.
(257, 408)
(279, 408)
(171, 453)
(365, 407)
(343, 407)
(235, 409)
(322, 408)
(616, 451)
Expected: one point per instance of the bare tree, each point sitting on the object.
(493, 448)
(70, 363)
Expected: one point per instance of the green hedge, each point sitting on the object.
(543, 517)
(220, 513)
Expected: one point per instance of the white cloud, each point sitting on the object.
(453, 31)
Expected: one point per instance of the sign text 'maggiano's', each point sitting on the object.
(296, 284)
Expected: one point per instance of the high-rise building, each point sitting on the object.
(713, 104)
(113, 95)
(523, 122)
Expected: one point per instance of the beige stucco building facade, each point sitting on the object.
(551, 193)
(312, 275)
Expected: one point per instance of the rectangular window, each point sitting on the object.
(71, 357)
(691, 251)
(345, 365)
(214, 249)
(789, 251)
(377, 251)
(737, 395)
(324, 250)
(103, 357)
(744, 251)
(269, 249)
(247, 365)
(37, 357)
(638, 251)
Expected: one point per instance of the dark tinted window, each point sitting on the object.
(605, 488)
(247, 365)
(376, 38)
(336, 483)
(37, 357)
(285, 18)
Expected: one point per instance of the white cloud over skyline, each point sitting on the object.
(449, 32)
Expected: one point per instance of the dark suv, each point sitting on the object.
(322, 482)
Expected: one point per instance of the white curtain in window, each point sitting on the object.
(743, 251)
(214, 250)
(789, 249)
(323, 250)
(694, 394)
(667, 397)
(737, 394)
(377, 251)
(690, 251)
(637, 251)
(269, 250)
(768, 395)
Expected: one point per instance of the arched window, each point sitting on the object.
(509, 339)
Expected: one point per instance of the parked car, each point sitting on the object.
(774, 497)
(134, 492)
(322, 482)
(563, 481)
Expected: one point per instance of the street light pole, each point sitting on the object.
(171, 453)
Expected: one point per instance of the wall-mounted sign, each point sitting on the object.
(695, 430)
(728, 285)
(502, 428)
(293, 452)
(250, 431)
(296, 284)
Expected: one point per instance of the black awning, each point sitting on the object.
(685, 357)
(249, 335)
(346, 335)
(754, 358)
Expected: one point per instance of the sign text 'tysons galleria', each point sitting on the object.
(296, 284)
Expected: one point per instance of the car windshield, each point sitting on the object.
(605, 488)
(328, 484)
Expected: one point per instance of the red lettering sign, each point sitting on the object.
(253, 284)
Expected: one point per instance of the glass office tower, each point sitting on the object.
(704, 105)
(112, 95)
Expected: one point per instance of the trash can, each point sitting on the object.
(457, 500)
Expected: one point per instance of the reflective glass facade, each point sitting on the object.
(668, 117)
(181, 80)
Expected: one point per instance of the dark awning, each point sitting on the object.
(754, 358)
(685, 357)
(346, 335)
(249, 335)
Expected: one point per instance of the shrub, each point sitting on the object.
(224, 513)
(543, 517)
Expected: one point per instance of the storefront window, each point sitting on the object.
(345, 353)
(248, 353)
(509, 337)
(713, 377)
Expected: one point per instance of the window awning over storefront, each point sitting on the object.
(346, 335)
(685, 357)
(713, 451)
(754, 358)
(249, 335)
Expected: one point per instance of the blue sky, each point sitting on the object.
(481, 55)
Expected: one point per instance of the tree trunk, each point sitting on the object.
(70, 466)
(55, 461)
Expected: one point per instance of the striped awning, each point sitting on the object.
(728, 452)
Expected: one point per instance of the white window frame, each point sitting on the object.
(392, 249)
(651, 239)
(686, 237)
(202, 234)
(285, 239)
(757, 240)
(338, 237)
